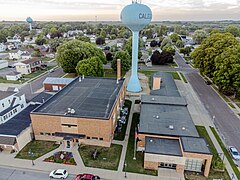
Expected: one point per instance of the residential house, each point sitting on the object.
(3, 64)
(3, 47)
(16, 40)
(15, 54)
(28, 66)
(13, 76)
(11, 103)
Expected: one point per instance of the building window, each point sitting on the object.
(48, 134)
(88, 137)
(2, 104)
(53, 134)
(69, 125)
(94, 138)
(101, 139)
(41, 133)
(9, 101)
(22, 106)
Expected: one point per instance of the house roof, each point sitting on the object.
(164, 117)
(13, 73)
(30, 61)
(4, 140)
(4, 94)
(93, 97)
(168, 86)
(162, 146)
(55, 80)
(18, 123)
(195, 145)
(3, 61)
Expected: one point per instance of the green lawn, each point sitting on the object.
(37, 73)
(108, 158)
(110, 73)
(39, 148)
(4, 80)
(184, 79)
(231, 105)
(135, 166)
(234, 167)
(120, 136)
(216, 162)
(70, 75)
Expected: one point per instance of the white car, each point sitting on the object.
(234, 153)
(59, 174)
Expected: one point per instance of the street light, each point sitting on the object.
(30, 153)
(125, 170)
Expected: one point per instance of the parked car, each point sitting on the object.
(87, 177)
(234, 153)
(59, 174)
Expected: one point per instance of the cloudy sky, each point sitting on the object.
(79, 10)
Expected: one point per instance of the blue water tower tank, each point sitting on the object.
(135, 16)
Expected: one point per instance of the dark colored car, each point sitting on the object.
(87, 177)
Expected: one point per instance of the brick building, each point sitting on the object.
(84, 111)
(55, 84)
(166, 132)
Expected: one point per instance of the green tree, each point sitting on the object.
(71, 52)
(92, 66)
(179, 43)
(174, 37)
(198, 36)
(128, 47)
(103, 33)
(41, 40)
(227, 74)
(83, 38)
(211, 47)
(234, 30)
(166, 42)
(125, 61)
(186, 51)
(169, 49)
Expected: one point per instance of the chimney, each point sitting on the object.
(118, 69)
(156, 83)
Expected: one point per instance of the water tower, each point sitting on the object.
(135, 16)
(29, 21)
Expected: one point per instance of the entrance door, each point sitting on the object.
(68, 144)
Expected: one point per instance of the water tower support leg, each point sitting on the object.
(134, 84)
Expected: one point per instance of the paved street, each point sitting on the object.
(30, 88)
(18, 174)
(225, 120)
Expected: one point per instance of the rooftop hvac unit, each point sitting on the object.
(170, 127)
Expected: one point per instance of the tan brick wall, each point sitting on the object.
(150, 165)
(180, 168)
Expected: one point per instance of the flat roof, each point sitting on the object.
(56, 80)
(92, 97)
(167, 87)
(195, 145)
(5, 94)
(4, 140)
(150, 99)
(162, 146)
(166, 119)
(43, 96)
(18, 123)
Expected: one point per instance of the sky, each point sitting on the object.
(109, 10)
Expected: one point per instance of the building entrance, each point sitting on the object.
(167, 165)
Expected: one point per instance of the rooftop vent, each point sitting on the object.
(80, 79)
(170, 127)
(153, 99)
(70, 111)
(83, 76)
(151, 140)
(157, 117)
(183, 128)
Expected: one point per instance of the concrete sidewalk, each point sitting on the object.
(201, 117)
